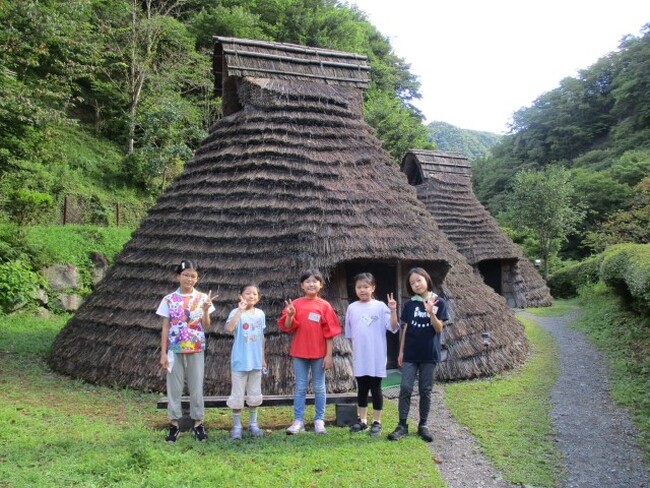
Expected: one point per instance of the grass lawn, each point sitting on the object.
(60, 432)
(560, 308)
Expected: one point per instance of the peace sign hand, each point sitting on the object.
(208, 302)
(392, 303)
(291, 310)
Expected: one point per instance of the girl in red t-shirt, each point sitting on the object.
(313, 323)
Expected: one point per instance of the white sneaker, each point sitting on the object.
(319, 427)
(296, 427)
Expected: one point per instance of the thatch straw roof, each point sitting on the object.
(443, 183)
(246, 58)
(294, 179)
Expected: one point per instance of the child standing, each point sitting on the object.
(422, 320)
(185, 316)
(313, 324)
(247, 323)
(366, 323)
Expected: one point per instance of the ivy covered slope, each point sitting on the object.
(106, 100)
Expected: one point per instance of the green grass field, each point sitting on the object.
(59, 431)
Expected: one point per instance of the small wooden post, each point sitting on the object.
(65, 210)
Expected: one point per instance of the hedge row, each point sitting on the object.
(566, 282)
(624, 267)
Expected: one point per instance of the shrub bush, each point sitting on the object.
(626, 268)
(566, 282)
(18, 285)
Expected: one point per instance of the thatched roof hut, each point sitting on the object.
(443, 183)
(291, 178)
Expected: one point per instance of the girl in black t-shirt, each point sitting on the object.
(421, 320)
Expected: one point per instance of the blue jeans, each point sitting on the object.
(301, 369)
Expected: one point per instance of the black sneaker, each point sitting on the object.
(399, 432)
(375, 429)
(199, 433)
(358, 426)
(424, 433)
(174, 432)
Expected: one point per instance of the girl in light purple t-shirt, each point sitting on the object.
(366, 323)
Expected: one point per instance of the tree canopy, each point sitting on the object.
(137, 73)
(595, 125)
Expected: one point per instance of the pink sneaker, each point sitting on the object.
(319, 427)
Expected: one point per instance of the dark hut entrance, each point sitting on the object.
(386, 277)
(490, 270)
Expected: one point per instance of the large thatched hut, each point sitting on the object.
(443, 183)
(290, 178)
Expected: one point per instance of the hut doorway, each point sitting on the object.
(386, 278)
(490, 270)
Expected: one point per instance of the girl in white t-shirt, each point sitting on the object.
(366, 323)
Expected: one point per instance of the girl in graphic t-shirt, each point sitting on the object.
(185, 316)
(313, 323)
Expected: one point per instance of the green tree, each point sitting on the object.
(631, 86)
(168, 130)
(542, 202)
(625, 226)
(398, 129)
(146, 52)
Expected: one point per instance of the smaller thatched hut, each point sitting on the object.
(443, 183)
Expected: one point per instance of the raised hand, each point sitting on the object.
(291, 310)
(429, 305)
(207, 303)
(392, 303)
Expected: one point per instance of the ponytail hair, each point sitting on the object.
(187, 264)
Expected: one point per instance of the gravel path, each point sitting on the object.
(596, 437)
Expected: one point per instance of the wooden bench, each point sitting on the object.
(345, 405)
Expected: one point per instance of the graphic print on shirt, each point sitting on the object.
(420, 314)
(368, 319)
(186, 332)
(252, 331)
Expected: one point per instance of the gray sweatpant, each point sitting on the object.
(190, 367)
(424, 372)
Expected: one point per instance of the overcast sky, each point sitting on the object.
(479, 61)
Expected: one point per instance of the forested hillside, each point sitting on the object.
(104, 100)
(591, 136)
(471, 143)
